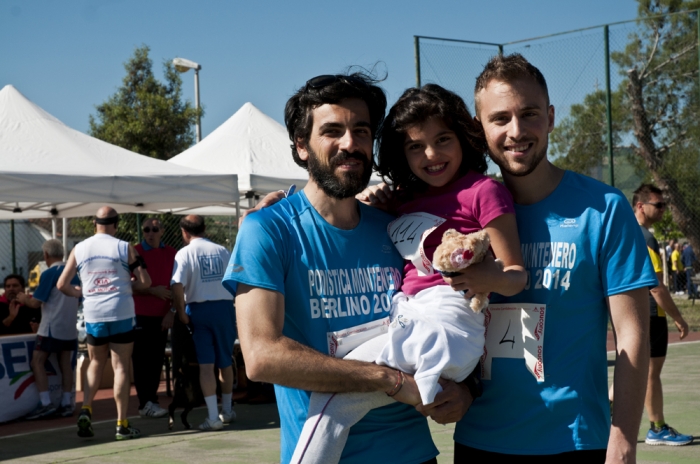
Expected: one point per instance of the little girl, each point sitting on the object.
(433, 153)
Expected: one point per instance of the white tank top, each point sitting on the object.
(103, 267)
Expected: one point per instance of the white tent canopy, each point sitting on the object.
(48, 169)
(252, 145)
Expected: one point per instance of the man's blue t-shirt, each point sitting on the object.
(580, 245)
(331, 279)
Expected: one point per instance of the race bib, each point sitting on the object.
(344, 341)
(408, 234)
(515, 330)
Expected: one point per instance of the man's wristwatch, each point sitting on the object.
(173, 310)
(473, 382)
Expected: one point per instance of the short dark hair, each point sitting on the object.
(195, 226)
(415, 107)
(21, 280)
(298, 112)
(644, 192)
(508, 68)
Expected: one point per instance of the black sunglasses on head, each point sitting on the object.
(149, 229)
(324, 80)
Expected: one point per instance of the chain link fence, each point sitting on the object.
(21, 240)
(626, 97)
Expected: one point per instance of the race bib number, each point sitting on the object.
(515, 330)
(408, 234)
(344, 341)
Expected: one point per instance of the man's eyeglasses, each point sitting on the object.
(324, 80)
(658, 205)
(148, 230)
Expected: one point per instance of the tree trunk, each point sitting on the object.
(683, 216)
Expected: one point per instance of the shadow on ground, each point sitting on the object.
(48, 445)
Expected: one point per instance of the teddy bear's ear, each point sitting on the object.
(449, 233)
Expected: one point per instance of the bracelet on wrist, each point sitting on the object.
(400, 379)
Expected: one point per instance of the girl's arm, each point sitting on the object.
(506, 276)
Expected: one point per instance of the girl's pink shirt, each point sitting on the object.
(468, 205)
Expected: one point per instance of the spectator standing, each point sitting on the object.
(15, 317)
(649, 206)
(688, 259)
(677, 268)
(200, 299)
(57, 331)
(154, 316)
(105, 264)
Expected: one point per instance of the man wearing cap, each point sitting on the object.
(104, 265)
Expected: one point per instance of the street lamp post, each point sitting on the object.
(182, 65)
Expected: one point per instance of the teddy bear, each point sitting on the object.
(456, 252)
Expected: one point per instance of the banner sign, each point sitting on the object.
(18, 392)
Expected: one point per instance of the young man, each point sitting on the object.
(196, 282)
(586, 259)
(154, 316)
(649, 206)
(105, 265)
(57, 332)
(319, 264)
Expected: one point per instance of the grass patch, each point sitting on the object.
(690, 312)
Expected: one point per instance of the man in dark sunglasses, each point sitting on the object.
(154, 316)
(318, 266)
(649, 207)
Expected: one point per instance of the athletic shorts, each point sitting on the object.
(466, 454)
(54, 345)
(214, 325)
(658, 331)
(101, 333)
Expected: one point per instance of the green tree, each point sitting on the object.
(145, 115)
(654, 110)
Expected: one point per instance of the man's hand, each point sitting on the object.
(450, 404)
(168, 321)
(184, 318)
(682, 327)
(161, 292)
(23, 298)
(269, 200)
(14, 308)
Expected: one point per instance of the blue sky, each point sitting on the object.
(67, 56)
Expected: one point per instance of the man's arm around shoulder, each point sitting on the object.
(272, 357)
(629, 312)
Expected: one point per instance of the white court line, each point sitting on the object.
(74, 425)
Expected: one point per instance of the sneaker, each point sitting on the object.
(227, 417)
(667, 436)
(127, 433)
(41, 411)
(680, 293)
(64, 411)
(152, 410)
(85, 424)
(209, 424)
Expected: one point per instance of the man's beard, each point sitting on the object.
(506, 169)
(345, 184)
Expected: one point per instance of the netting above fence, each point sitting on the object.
(626, 100)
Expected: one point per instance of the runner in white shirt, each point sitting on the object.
(104, 265)
(202, 302)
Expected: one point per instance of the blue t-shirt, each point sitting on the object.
(580, 245)
(331, 279)
(59, 312)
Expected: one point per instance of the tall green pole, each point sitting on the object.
(14, 251)
(500, 50)
(416, 49)
(608, 104)
(698, 21)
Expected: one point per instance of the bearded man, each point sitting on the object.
(318, 264)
